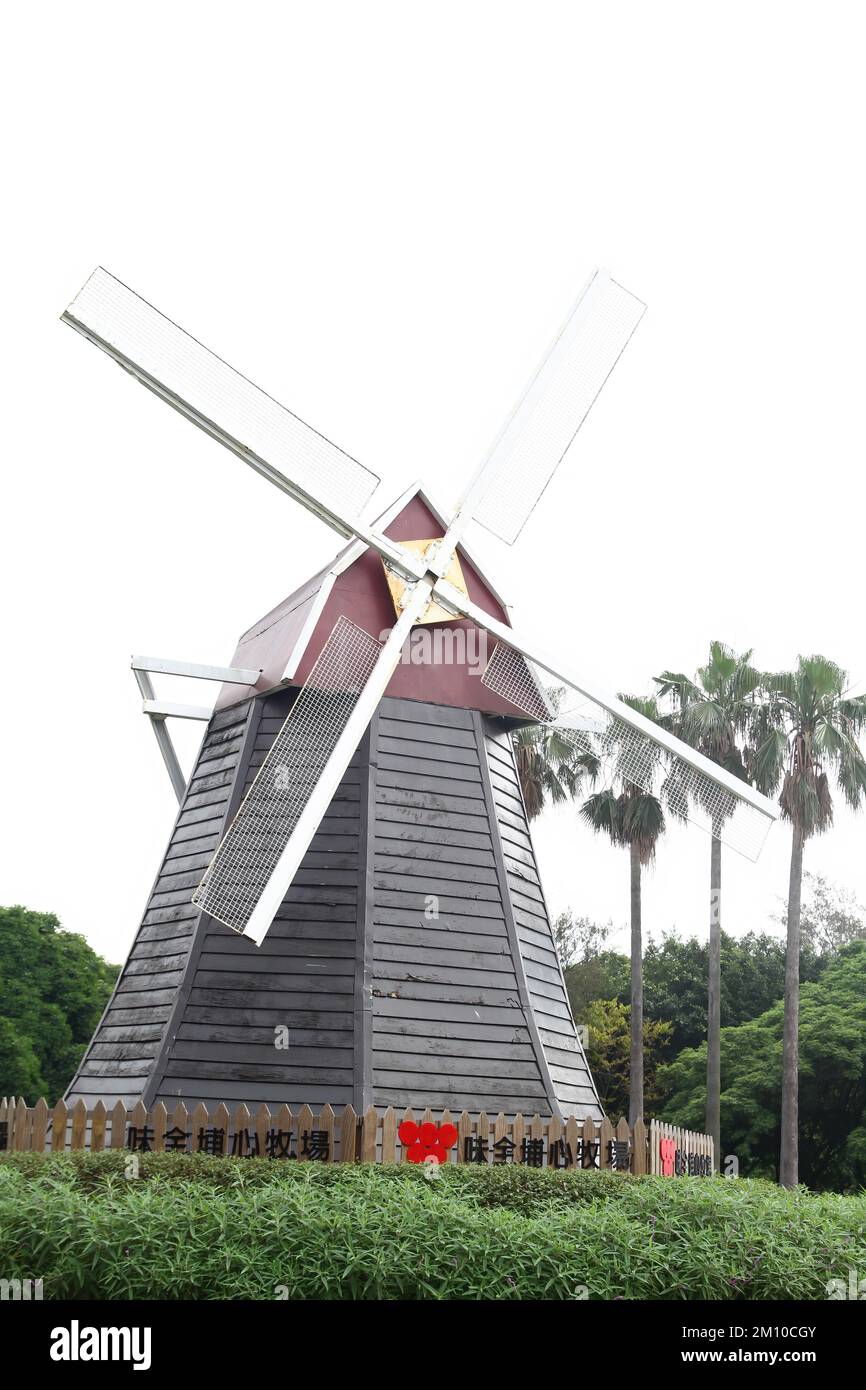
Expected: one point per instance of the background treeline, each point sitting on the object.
(791, 734)
(832, 1033)
(53, 989)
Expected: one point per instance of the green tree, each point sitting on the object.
(832, 1080)
(19, 1065)
(809, 730)
(53, 988)
(713, 713)
(635, 820)
(752, 980)
(591, 970)
(609, 1055)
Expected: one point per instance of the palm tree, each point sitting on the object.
(550, 767)
(633, 819)
(713, 713)
(809, 732)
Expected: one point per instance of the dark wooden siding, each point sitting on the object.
(123, 1053)
(567, 1064)
(382, 1004)
(300, 978)
(449, 1026)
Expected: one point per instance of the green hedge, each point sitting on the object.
(195, 1227)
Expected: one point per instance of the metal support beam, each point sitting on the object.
(163, 738)
(160, 709)
(228, 675)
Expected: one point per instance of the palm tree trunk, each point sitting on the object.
(635, 1103)
(788, 1155)
(714, 1042)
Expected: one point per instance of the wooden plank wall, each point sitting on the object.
(384, 1002)
(124, 1049)
(449, 1027)
(570, 1074)
(301, 978)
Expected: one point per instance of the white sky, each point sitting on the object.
(381, 214)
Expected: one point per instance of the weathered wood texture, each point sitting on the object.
(411, 962)
(466, 989)
(573, 1085)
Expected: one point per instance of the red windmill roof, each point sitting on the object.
(443, 662)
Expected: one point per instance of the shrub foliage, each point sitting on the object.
(194, 1227)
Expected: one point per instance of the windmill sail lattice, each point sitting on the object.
(219, 399)
(248, 855)
(628, 755)
(534, 441)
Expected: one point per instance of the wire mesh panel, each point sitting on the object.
(246, 858)
(202, 384)
(628, 755)
(511, 676)
(532, 445)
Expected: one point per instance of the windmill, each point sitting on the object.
(318, 702)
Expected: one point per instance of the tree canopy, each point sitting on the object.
(675, 973)
(832, 1080)
(54, 988)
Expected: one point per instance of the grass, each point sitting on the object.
(195, 1227)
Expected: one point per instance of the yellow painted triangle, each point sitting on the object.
(434, 612)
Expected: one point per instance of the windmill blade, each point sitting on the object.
(627, 755)
(262, 849)
(632, 749)
(530, 447)
(630, 746)
(204, 388)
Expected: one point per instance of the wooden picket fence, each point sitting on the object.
(346, 1138)
(692, 1154)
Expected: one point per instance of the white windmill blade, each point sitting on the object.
(631, 746)
(576, 721)
(528, 450)
(255, 863)
(226, 405)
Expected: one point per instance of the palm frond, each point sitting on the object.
(551, 766)
(853, 711)
(715, 714)
(822, 725)
(851, 774)
(766, 759)
(643, 823)
(602, 811)
(678, 686)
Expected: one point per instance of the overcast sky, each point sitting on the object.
(381, 214)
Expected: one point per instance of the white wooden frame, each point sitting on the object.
(160, 710)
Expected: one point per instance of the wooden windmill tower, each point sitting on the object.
(349, 907)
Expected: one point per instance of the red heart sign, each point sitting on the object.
(427, 1142)
(667, 1153)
